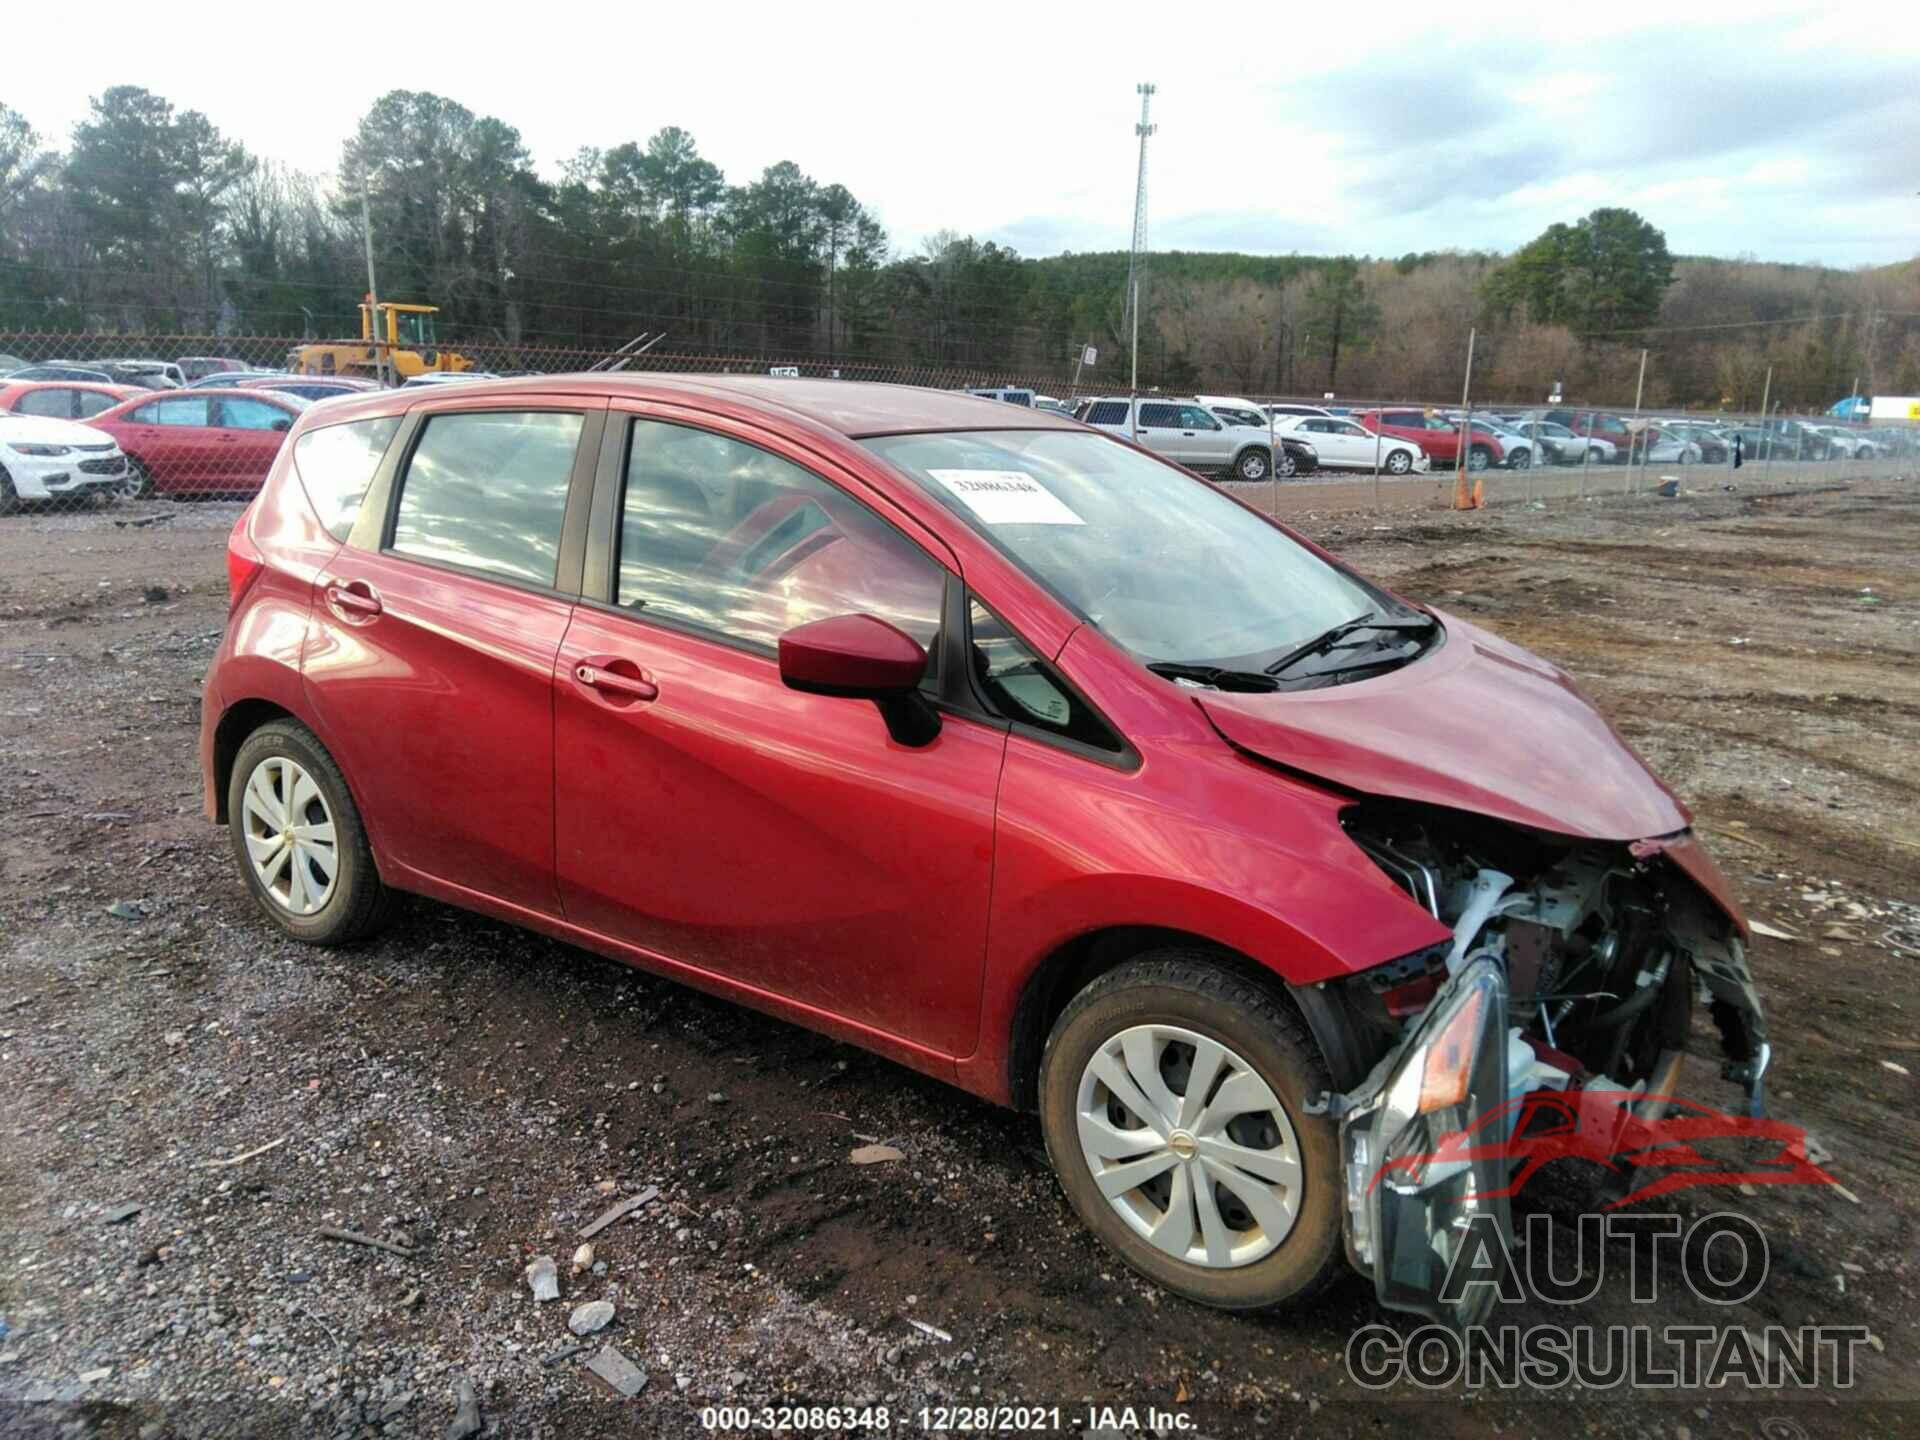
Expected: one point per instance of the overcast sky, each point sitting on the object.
(1788, 132)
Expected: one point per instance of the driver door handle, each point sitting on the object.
(355, 596)
(611, 683)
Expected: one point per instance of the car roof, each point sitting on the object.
(852, 408)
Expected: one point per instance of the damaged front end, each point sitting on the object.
(1573, 965)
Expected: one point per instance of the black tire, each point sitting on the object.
(9, 497)
(1521, 459)
(1190, 988)
(360, 904)
(1289, 465)
(1252, 463)
(1398, 462)
(1479, 457)
(138, 484)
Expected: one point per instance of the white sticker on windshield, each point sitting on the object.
(1007, 497)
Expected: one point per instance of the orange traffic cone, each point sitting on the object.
(1462, 500)
(1479, 495)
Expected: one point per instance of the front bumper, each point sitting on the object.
(48, 477)
(1422, 465)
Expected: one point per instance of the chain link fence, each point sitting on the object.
(90, 419)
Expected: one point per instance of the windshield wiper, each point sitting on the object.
(1217, 676)
(1345, 628)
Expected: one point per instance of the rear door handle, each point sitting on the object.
(613, 684)
(355, 597)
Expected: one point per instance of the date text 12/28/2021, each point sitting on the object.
(944, 1419)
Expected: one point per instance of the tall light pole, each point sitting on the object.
(1137, 255)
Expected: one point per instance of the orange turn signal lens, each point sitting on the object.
(1449, 1059)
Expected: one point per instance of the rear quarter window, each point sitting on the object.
(336, 464)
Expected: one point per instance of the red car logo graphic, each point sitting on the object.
(1605, 1127)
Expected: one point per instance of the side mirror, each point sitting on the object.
(861, 657)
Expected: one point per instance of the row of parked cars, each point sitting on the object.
(1251, 440)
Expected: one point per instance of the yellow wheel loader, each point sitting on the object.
(402, 347)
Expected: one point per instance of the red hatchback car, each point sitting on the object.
(201, 442)
(985, 740)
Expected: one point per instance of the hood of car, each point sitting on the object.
(1477, 725)
(42, 430)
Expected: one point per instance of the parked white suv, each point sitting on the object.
(1182, 431)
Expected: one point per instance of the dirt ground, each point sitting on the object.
(475, 1095)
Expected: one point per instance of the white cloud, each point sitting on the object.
(1377, 131)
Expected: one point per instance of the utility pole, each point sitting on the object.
(1766, 425)
(1462, 500)
(373, 290)
(1639, 389)
(1137, 256)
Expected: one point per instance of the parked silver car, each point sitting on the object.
(1184, 432)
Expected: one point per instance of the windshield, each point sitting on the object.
(1164, 564)
(414, 328)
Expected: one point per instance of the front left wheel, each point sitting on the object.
(1173, 1097)
(297, 836)
(1252, 463)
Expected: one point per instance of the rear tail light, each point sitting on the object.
(244, 562)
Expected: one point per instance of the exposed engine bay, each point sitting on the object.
(1573, 966)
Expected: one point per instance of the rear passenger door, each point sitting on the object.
(1158, 429)
(430, 652)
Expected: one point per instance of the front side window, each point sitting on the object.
(1192, 417)
(246, 414)
(336, 464)
(89, 403)
(1020, 686)
(488, 490)
(722, 536)
(1166, 566)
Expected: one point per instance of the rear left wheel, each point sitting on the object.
(297, 836)
(1173, 1098)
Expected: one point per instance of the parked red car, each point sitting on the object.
(64, 399)
(201, 442)
(984, 740)
(1598, 426)
(1438, 436)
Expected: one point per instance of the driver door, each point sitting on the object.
(247, 436)
(775, 846)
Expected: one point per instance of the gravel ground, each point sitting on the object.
(473, 1096)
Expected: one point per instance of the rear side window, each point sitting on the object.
(336, 465)
(1164, 417)
(488, 491)
(92, 402)
(1108, 412)
(180, 411)
(54, 403)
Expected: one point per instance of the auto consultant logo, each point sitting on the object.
(1722, 1259)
